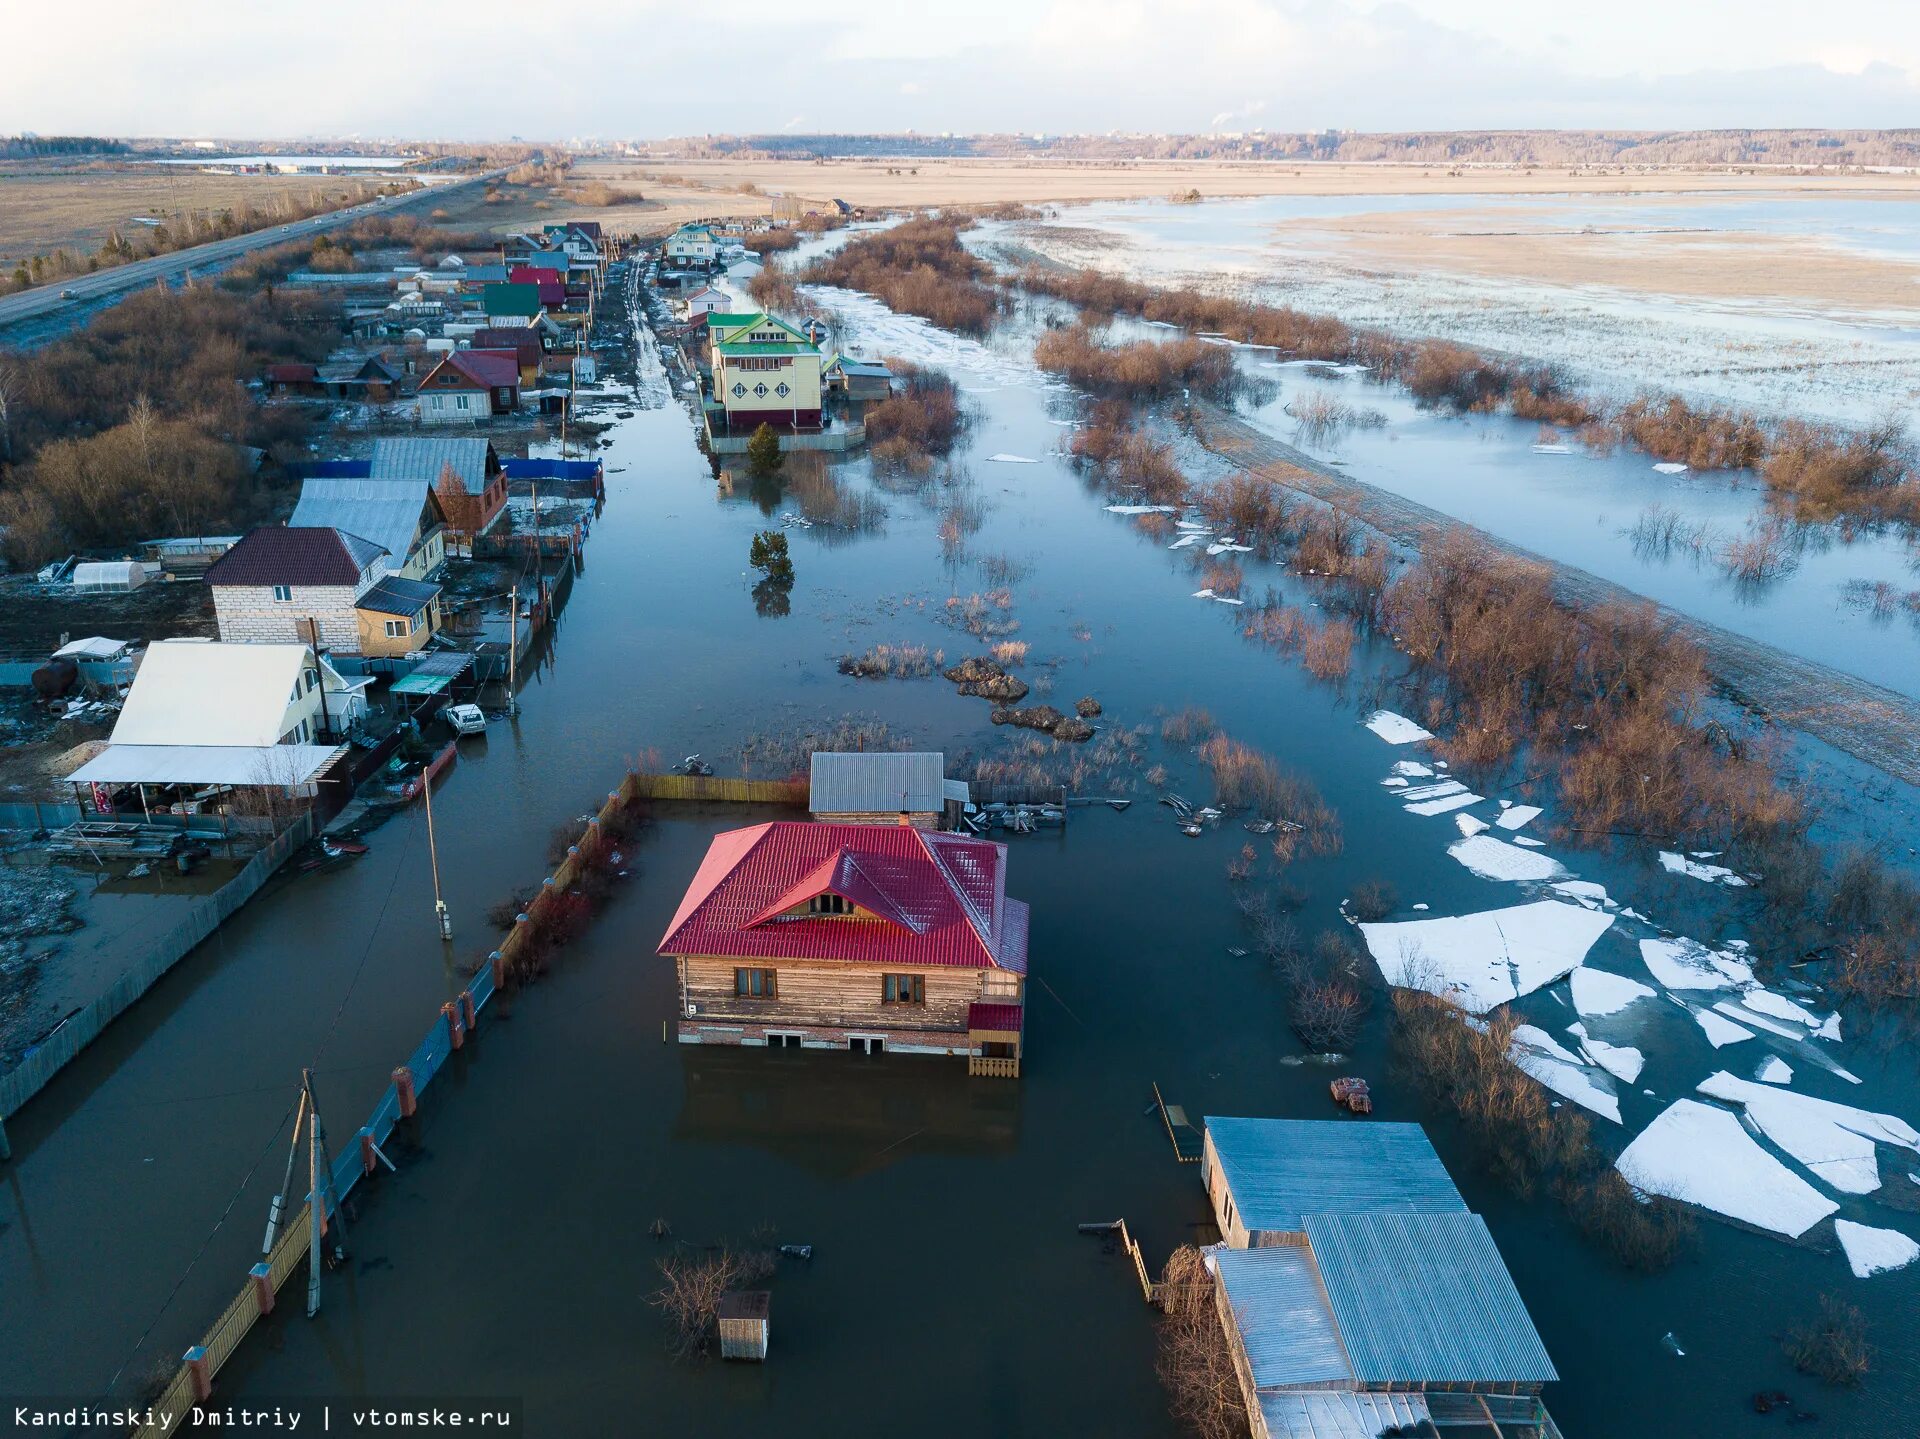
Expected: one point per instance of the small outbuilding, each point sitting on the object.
(743, 1325)
(878, 788)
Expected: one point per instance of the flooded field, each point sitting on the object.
(512, 1255)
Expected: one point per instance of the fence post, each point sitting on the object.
(262, 1276)
(456, 1031)
(499, 965)
(403, 1091)
(467, 1011)
(196, 1361)
(367, 1160)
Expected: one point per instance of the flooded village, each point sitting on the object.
(775, 800)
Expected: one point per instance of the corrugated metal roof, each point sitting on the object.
(982, 1014)
(395, 596)
(290, 555)
(1425, 1299)
(1282, 1169)
(1285, 1321)
(941, 898)
(1341, 1414)
(273, 764)
(876, 783)
(471, 461)
(388, 512)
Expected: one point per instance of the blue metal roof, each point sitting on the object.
(1285, 1321)
(1425, 1299)
(1279, 1170)
(391, 513)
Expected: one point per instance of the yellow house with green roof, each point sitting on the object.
(765, 372)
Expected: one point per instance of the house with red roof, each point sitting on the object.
(471, 385)
(551, 284)
(862, 937)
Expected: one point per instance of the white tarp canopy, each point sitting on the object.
(273, 765)
(96, 647)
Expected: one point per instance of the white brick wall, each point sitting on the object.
(249, 614)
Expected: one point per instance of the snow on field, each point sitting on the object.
(1481, 961)
(1711, 873)
(869, 328)
(1688, 964)
(1774, 1070)
(1873, 1251)
(1597, 993)
(1622, 1061)
(1565, 1073)
(1720, 1030)
(1701, 1155)
(1835, 1141)
(1495, 859)
(1514, 816)
(1396, 729)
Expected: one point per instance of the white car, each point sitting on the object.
(466, 719)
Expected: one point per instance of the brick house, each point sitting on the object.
(862, 937)
(284, 584)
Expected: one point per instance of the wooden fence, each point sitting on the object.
(714, 787)
(203, 916)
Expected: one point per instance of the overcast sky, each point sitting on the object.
(490, 69)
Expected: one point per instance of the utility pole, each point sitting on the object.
(319, 1192)
(320, 671)
(513, 644)
(433, 858)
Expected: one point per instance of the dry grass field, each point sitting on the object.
(44, 208)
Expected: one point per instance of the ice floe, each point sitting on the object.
(1444, 803)
(1834, 1141)
(1396, 729)
(1551, 448)
(1004, 459)
(1565, 1073)
(1411, 768)
(1228, 547)
(1210, 595)
(1670, 467)
(1491, 858)
(1393, 781)
(1469, 826)
(1688, 964)
(1192, 537)
(1720, 1030)
(1513, 816)
(1711, 873)
(1584, 890)
(1622, 1061)
(1873, 1251)
(1702, 1155)
(1529, 841)
(1480, 961)
(1774, 1070)
(1138, 509)
(1779, 1006)
(1596, 992)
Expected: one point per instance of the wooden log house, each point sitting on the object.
(867, 938)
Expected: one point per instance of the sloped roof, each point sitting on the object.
(1284, 1317)
(1425, 1299)
(395, 596)
(271, 764)
(391, 513)
(426, 460)
(289, 555)
(485, 368)
(939, 899)
(206, 693)
(876, 782)
(519, 339)
(511, 299)
(1280, 1170)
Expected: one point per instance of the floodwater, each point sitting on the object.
(511, 1255)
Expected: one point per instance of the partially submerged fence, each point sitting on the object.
(517, 958)
(715, 787)
(203, 916)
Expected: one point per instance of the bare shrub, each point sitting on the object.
(1244, 778)
(1011, 652)
(1140, 370)
(901, 662)
(1222, 576)
(1188, 725)
(1832, 1346)
(1195, 1362)
(923, 412)
(919, 268)
(1373, 899)
(694, 1283)
(1646, 1233)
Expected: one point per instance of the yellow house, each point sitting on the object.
(397, 617)
(765, 372)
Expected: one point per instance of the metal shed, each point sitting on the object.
(743, 1325)
(875, 788)
(1265, 1175)
(1275, 1299)
(1425, 1299)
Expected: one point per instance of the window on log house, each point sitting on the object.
(903, 989)
(754, 983)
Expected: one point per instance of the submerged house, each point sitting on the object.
(765, 372)
(863, 937)
(1358, 1293)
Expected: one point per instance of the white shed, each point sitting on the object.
(100, 576)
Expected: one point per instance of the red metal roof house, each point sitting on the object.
(853, 936)
(471, 385)
(552, 284)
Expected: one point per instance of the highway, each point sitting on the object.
(33, 316)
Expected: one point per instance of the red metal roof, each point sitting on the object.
(551, 284)
(524, 340)
(1004, 1017)
(938, 899)
(483, 369)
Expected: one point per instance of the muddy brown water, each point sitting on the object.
(511, 1254)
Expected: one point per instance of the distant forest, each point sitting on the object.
(33, 147)
(1829, 148)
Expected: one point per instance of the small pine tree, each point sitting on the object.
(763, 453)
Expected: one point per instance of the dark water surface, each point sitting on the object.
(511, 1254)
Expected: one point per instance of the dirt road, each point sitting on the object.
(1854, 715)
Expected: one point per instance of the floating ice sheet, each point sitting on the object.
(1720, 1030)
(1480, 961)
(1514, 816)
(1670, 467)
(1469, 826)
(1596, 992)
(1396, 729)
(1004, 459)
(1547, 1060)
(1873, 1251)
(1137, 509)
(1688, 964)
(1701, 1155)
(1584, 890)
(1711, 873)
(1834, 1141)
(1774, 1070)
(1411, 768)
(1491, 858)
(1210, 595)
(1622, 1061)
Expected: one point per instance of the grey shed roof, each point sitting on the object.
(1425, 1299)
(385, 511)
(429, 459)
(395, 596)
(1343, 1414)
(877, 783)
(1280, 1170)
(1284, 1317)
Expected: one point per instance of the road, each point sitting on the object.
(33, 316)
